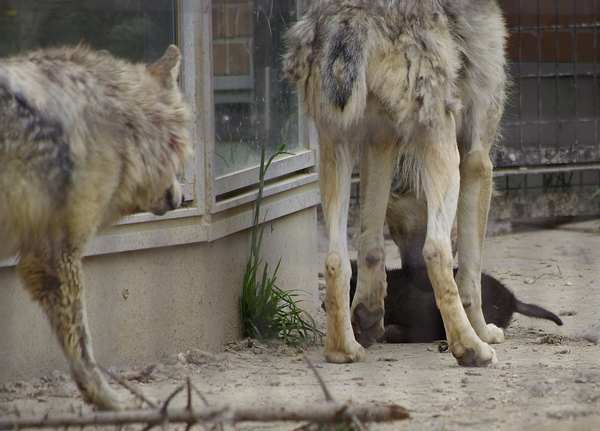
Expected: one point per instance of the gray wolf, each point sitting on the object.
(411, 315)
(85, 139)
(417, 87)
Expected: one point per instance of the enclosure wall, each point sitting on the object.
(148, 305)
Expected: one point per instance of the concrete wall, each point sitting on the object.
(149, 304)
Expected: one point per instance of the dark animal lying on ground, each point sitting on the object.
(411, 315)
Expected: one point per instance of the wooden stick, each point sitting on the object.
(355, 420)
(127, 386)
(328, 395)
(330, 412)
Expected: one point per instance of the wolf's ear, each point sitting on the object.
(166, 69)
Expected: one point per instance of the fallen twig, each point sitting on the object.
(353, 418)
(328, 395)
(127, 386)
(331, 412)
(144, 375)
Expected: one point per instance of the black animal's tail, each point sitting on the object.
(532, 310)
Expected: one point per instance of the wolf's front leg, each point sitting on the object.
(56, 283)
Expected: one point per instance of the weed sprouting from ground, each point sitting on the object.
(266, 310)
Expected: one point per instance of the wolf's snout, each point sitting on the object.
(174, 196)
(171, 199)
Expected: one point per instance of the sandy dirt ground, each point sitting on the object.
(548, 377)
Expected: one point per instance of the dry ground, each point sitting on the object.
(547, 378)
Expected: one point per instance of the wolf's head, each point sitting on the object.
(170, 117)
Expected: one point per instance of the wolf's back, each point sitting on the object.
(34, 140)
(36, 163)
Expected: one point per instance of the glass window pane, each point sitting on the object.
(255, 103)
(139, 30)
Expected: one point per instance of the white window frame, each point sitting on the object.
(303, 159)
(237, 188)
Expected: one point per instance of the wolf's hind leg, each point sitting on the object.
(441, 183)
(56, 283)
(473, 207)
(337, 161)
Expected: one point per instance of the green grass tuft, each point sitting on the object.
(267, 311)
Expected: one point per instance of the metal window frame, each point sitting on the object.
(203, 192)
(237, 182)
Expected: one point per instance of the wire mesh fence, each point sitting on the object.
(549, 161)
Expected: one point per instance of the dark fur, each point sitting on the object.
(411, 315)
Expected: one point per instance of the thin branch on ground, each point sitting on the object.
(170, 397)
(127, 386)
(144, 375)
(326, 413)
(328, 395)
(331, 412)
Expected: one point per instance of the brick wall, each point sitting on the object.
(553, 30)
(232, 37)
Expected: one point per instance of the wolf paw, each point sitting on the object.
(353, 352)
(367, 324)
(95, 389)
(491, 334)
(478, 355)
(104, 398)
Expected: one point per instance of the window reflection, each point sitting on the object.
(139, 30)
(254, 103)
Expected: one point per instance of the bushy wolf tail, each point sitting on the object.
(344, 62)
(330, 71)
